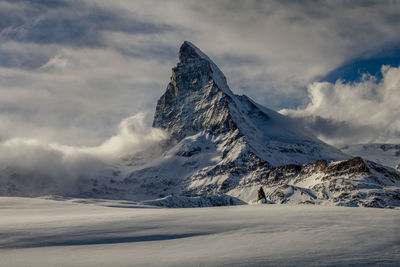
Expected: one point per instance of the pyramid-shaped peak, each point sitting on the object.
(189, 50)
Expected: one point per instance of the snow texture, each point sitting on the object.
(83, 232)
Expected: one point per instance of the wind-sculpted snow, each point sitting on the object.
(83, 232)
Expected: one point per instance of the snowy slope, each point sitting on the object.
(352, 182)
(76, 232)
(198, 99)
(224, 144)
(220, 149)
(385, 154)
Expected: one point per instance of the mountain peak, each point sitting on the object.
(197, 95)
(189, 50)
(189, 54)
(198, 100)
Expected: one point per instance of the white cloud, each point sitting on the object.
(279, 47)
(73, 85)
(369, 110)
(79, 96)
(55, 168)
(133, 136)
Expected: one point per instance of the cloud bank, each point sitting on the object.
(360, 112)
(37, 167)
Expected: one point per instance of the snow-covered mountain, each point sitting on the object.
(223, 147)
(199, 101)
(385, 154)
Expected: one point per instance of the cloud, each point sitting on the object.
(71, 70)
(75, 23)
(59, 24)
(133, 136)
(77, 97)
(359, 112)
(35, 166)
(294, 42)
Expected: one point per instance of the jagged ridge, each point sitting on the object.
(224, 144)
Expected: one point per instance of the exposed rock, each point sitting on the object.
(354, 165)
(223, 148)
(385, 154)
(261, 194)
(222, 144)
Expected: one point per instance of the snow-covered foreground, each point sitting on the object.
(43, 232)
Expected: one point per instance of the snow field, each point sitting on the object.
(79, 232)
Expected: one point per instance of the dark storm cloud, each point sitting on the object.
(71, 22)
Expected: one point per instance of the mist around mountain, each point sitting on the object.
(207, 147)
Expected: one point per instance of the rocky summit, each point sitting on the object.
(223, 147)
(227, 145)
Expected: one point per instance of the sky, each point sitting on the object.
(74, 74)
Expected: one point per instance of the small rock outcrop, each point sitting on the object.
(261, 194)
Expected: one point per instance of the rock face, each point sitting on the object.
(225, 144)
(261, 194)
(386, 154)
(352, 182)
(196, 99)
(224, 147)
